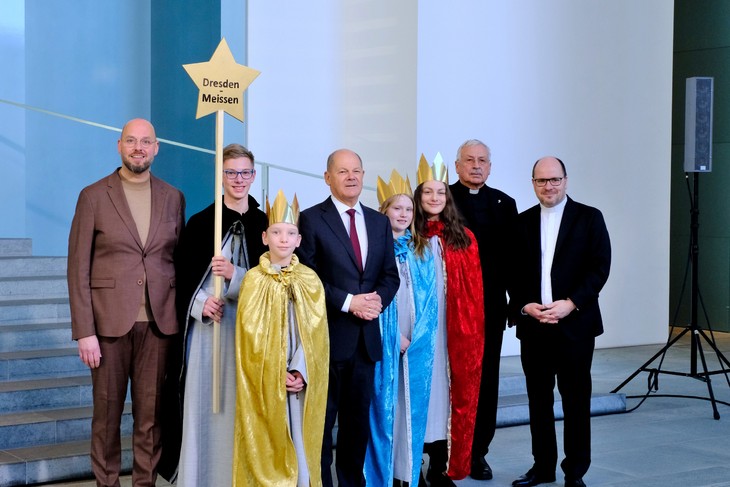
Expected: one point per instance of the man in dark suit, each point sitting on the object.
(490, 214)
(350, 247)
(121, 282)
(562, 261)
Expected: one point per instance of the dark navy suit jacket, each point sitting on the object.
(327, 249)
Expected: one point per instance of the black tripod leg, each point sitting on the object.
(656, 355)
(715, 412)
(717, 351)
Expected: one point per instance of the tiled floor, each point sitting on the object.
(667, 442)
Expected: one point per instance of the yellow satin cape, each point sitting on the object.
(263, 452)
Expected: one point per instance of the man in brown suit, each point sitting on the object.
(121, 284)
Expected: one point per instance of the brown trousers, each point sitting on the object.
(139, 357)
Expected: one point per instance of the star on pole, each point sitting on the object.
(221, 82)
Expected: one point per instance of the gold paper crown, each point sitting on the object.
(281, 211)
(437, 172)
(397, 185)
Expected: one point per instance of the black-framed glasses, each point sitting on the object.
(132, 142)
(245, 174)
(553, 181)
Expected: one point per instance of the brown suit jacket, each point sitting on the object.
(107, 262)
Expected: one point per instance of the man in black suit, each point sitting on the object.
(490, 214)
(350, 247)
(562, 262)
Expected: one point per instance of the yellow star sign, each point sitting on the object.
(221, 82)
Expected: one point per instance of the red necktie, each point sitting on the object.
(353, 238)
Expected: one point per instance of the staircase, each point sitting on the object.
(45, 390)
(512, 408)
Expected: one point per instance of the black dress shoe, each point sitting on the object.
(574, 483)
(533, 478)
(480, 469)
(441, 480)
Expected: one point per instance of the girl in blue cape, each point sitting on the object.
(403, 377)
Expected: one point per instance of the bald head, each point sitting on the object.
(138, 147)
(342, 153)
(549, 180)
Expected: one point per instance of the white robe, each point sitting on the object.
(439, 406)
(402, 461)
(206, 455)
(295, 400)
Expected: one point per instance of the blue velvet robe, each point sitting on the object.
(418, 363)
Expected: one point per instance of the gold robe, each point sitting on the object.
(263, 452)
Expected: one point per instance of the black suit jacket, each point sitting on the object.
(580, 269)
(326, 248)
(491, 216)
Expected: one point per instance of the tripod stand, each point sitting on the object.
(696, 333)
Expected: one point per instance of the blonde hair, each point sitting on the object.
(420, 244)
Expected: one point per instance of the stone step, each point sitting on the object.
(32, 266)
(15, 247)
(13, 310)
(38, 394)
(35, 335)
(510, 383)
(53, 463)
(20, 287)
(52, 426)
(42, 363)
(513, 409)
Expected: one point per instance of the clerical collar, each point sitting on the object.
(555, 209)
(470, 189)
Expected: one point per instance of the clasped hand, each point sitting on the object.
(294, 381)
(366, 306)
(550, 313)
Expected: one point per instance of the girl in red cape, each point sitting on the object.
(460, 334)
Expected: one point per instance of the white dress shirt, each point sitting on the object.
(362, 235)
(549, 226)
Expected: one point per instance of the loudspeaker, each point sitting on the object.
(698, 125)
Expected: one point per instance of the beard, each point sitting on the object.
(137, 169)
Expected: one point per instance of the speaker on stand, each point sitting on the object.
(697, 159)
(698, 125)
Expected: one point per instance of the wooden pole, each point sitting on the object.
(218, 280)
(220, 98)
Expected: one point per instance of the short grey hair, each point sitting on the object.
(331, 157)
(470, 143)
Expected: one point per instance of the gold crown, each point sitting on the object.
(437, 172)
(281, 211)
(397, 185)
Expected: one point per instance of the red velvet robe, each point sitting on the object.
(465, 342)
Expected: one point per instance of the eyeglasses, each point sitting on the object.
(132, 142)
(553, 181)
(245, 174)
